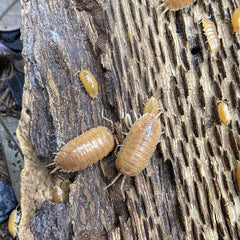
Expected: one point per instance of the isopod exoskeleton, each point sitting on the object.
(151, 106)
(89, 82)
(139, 145)
(175, 5)
(224, 113)
(236, 20)
(13, 221)
(212, 36)
(84, 150)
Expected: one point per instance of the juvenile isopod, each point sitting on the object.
(60, 193)
(151, 106)
(84, 150)
(13, 221)
(236, 20)
(237, 172)
(212, 36)
(174, 5)
(89, 82)
(224, 113)
(138, 146)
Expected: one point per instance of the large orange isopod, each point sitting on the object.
(139, 145)
(84, 150)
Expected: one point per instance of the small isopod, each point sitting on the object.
(236, 20)
(224, 113)
(174, 5)
(212, 36)
(151, 106)
(89, 82)
(60, 193)
(13, 221)
(237, 172)
(84, 150)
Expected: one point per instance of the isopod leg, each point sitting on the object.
(122, 185)
(54, 170)
(114, 180)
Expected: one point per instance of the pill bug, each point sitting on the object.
(224, 113)
(231, 212)
(236, 20)
(60, 193)
(174, 5)
(89, 82)
(14, 220)
(210, 31)
(84, 150)
(151, 106)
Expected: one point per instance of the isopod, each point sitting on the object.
(84, 150)
(89, 82)
(174, 5)
(237, 172)
(224, 113)
(236, 20)
(151, 106)
(139, 145)
(13, 221)
(60, 193)
(212, 36)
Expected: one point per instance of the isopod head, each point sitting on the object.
(13, 221)
(151, 106)
(224, 113)
(236, 20)
(89, 82)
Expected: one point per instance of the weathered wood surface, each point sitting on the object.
(135, 52)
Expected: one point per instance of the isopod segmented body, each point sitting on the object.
(236, 20)
(212, 36)
(84, 150)
(224, 113)
(139, 145)
(89, 82)
(151, 106)
(175, 5)
(14, 220)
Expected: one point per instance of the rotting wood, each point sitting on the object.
(134, 52)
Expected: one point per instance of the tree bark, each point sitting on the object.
(135, 52)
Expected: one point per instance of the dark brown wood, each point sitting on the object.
(135, 52)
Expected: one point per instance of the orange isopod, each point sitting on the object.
(175, 5)
(89, 82)
(238, 175)
(139, 145)
(224, 113)
(151, 106)
(236, 20)
(84, 150)
(212, 36)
